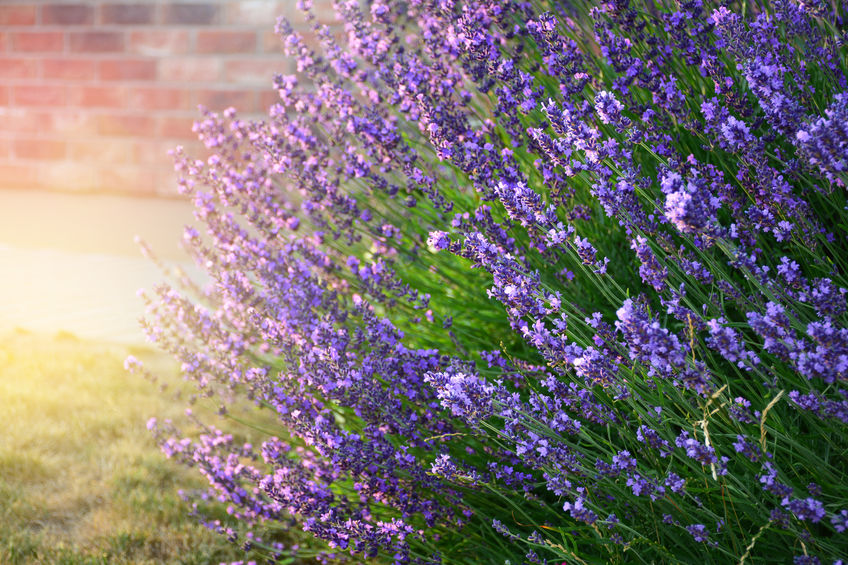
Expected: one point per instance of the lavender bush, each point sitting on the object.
(529, 282)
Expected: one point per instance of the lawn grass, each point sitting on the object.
(81, 480)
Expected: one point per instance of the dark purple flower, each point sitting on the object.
(768, 478)
(609, 109)
(649, 342)
(747, 448)
(699, 532)
(729, 343)
(805, 508)
(840, 521)
(675, 482)
(466, 395)
(439, 240)
(824, 141)
(579, 511)
(696, 450)
(651, 271)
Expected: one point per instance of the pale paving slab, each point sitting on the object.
(70, 263)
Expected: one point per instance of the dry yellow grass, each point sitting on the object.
(81, 480)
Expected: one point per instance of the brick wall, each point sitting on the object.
(94, 93)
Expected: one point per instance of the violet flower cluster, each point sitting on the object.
(527, 282)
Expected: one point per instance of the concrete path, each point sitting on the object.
(68, 262)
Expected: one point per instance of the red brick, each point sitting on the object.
(174, 127)
(189, 69)
(102, 151)
(127, 69)
(255, 71)
(256, 12)
(38, 41)
(17, 15)
(127, 14)
(67, 14)
(25, 120)
(159, 42)
(153, 152)
(4, 96)
(5, 149)
(11, 68)
(97, 97)
(126, 178)
(38, 95)
(76, 123)
(126, 125)
(190, 14)
(324, 12)
(192, 146)
(157, 98)
(68, 175)
(97, 42)
(216, 100)
(42, 149)
(268, 98)
(166, 183)
(272, 43)
(18, 176)
(68, 69)
(226, 42)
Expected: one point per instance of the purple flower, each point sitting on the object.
(579, 512)
(675, 482)
(466, 395)
(335, 349)
(768, 478)
(747, 448)
(623, 461)
(689, 206)
(827, 298)
(840, 521)
(589, 255)
(609, 109)
(780, 518)
(651, 271)
(652, 438)
(823, 143)
(525, 205)
(740, 410)
(696, 450)
(699, 532)
(649, 342)
(736, 134)
(828, 360)
(644, 486)
(499, 527)
(596, 368)
(729, 343)
(439, 240)
(811, 401)
(775, 329)
(805, 508)
(444, 467)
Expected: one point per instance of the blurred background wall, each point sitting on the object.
(94, 93)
